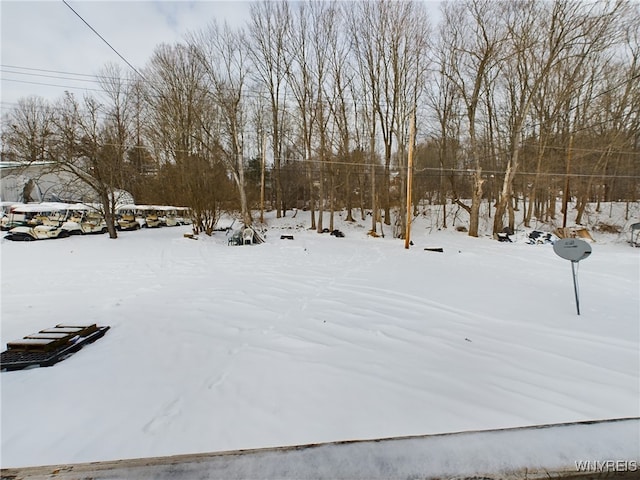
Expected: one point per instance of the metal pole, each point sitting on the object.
(412, 128)
(575, 286)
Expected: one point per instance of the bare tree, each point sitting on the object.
(300, 78)
(175, 93)
(178, 105)
(476, 38)
(411, 48)
(84, 150)
(342, 108)
(542, 36)
(611, 120)
(223, 55)
(268, 31)
(445, 101)
(118, 127)
(323, 17)
(27, 130)
(390, 42)
(142, 164)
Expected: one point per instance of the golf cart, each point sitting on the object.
(149, 214)
(635, 235)
(126, 218)
(183, 216)
(84, 219)
(41, 221)
(168, 216)
(7, 219)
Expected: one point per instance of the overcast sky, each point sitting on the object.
(42, 38)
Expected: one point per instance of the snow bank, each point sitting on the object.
(589, 450)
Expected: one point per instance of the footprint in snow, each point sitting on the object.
(218, 381)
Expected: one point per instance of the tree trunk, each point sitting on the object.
(348, 195)
(387, 186)
(312, 207)
(109, 218)
(331, 199)
(321, 195)
(476, 199)
(504, 197)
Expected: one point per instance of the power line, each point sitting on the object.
(102, 38)
(51, 85)
(17, 67)
(247, 94)
(255, 95)
(421, 173)
(56, 77)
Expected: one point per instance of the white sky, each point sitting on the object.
(47, 35)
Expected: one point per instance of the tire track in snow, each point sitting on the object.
(164, 417)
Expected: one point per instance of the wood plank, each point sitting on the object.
(62, 330)
(86, 329)
(51, 336)
(39, 344)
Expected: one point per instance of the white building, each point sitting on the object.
(36, 182)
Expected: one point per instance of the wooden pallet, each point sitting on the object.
(49, 346)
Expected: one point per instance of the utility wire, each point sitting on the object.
(103, 39)
(17, 67)
(254, 95)
(51, 85)
(95, 79)
(247, 94)
(423, 172)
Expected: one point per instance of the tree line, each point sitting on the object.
(308, 106)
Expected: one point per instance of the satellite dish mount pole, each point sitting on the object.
(574, 250)
(575, 284)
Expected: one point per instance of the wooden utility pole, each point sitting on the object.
(374, 203)
(412, 134)
(264, 161)
(565, 197)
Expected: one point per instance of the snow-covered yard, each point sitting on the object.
(315, 339)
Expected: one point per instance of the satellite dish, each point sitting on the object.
(572, 249)
(575, 250)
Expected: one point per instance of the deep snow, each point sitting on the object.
(317, 339)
